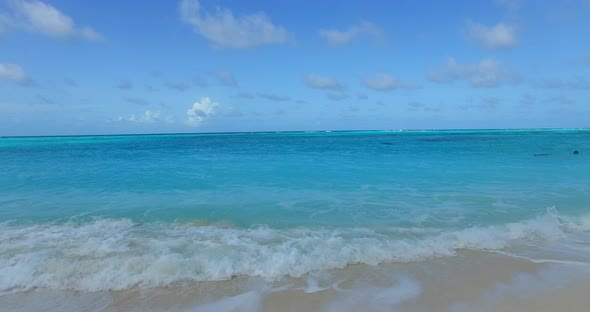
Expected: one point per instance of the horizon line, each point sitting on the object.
(287, 131)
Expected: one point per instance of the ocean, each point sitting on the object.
(229, 215)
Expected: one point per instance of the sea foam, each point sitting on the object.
(118, 254)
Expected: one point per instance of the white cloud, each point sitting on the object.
(487, 103)
(274, 97)
(560, 100)
(37, 16)
(416, 106)
(37, 108)
(178, 86)
(226, 78)
(200, 112)
(385, 82)
(124, 85)
(147, 117)
(337, 96)
(493, 37)
(490, 102)
(323, 82)
(5, 22)
(486, 73)
(246, 95)
(381, 82)
(224, 30)
(343, 37)
(578, 83)
(14, 73)
(169, 120)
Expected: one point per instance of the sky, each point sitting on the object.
(116, 67)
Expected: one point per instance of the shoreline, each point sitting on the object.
(469, 281)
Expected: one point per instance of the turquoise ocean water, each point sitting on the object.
(116, 212)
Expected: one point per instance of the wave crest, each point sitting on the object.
(118, 254)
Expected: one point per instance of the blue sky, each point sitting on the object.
(104, 67)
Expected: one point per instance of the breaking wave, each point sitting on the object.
(118, 254)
